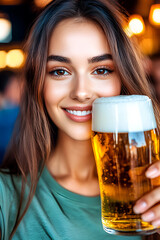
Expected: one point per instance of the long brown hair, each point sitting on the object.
(35, 135)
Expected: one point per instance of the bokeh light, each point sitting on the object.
(136, 24)
(3, 56)
(128, 31)
(15, 58)
(154, 16)
(10, 2)
(41, 3)
(5, 30)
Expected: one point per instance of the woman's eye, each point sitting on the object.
(59, 72)
(102, 71)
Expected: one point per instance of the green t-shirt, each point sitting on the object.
(54, 213)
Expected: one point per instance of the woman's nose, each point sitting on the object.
(81, 89)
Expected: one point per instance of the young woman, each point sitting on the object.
(77, 52)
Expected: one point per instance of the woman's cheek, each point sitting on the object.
(109, 89)
(54, 92)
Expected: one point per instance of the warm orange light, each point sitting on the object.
(128, 31)
(10, 2)
(15, 58)
(136, 24)
(154, 15)
(41, 3)
(147, 46)
(3, 56)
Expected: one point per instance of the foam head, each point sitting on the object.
(133, 113)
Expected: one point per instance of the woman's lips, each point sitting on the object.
(79, 114)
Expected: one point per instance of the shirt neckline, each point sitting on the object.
(56, 188)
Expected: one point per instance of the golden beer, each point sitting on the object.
(122, 159)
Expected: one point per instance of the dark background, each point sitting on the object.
(22, 16)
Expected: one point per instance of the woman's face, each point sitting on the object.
(79, 70)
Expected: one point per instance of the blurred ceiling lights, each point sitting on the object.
(41, 3)
(14, 58)
(128, 31)
(5, 29)
(3, 55)
(136, 24)
(10, 2)
(154, 15)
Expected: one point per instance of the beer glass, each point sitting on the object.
(125, 142)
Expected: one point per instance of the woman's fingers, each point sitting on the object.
(154, 170)
(153, 197)
(148, 201)
(152, 216)
(149, 205)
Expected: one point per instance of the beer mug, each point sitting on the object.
(125, 142)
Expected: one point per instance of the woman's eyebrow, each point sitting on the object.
(100, 58)
(58, 59)
(90, 60)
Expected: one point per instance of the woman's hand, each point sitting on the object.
(149, 204)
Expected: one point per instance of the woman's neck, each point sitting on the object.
(72, 164)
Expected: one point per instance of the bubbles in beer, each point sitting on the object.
(121, 166)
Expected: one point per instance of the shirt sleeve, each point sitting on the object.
(9, 203)
(1, 211)
(5, 206)
(1, 225)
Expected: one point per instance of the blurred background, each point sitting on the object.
(16, 19)
(17, 16)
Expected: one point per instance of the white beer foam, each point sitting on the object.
(130, 113)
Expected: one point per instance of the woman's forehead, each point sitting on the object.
(73, 35)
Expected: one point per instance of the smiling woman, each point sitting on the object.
(77, 74)
(77, 52)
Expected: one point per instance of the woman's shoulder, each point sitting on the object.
(8, 185)
(5, 181)
(10, 188)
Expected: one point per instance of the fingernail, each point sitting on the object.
(139, 207)
(152, 172)
(148, 216)
(156, 223)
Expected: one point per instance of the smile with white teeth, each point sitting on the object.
(79, 113)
